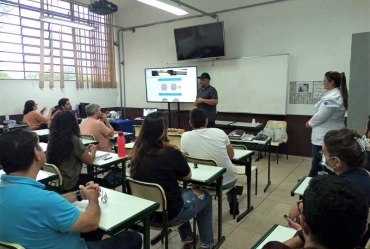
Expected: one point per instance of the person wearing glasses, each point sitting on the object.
(329, 114)
(34, 118)
(36, 218)
(333, 215)
(155, 160)
(343, 153)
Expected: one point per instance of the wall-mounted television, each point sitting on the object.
(201, 41)
(171, 84)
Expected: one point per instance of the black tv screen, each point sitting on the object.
(202, 41)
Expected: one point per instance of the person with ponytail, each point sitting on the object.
(328, 114)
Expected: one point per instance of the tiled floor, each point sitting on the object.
(269, 207)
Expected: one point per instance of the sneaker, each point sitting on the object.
(231, 206)
(188, 242)
(215, 241)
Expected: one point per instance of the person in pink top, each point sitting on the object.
(34, 118)
(97, 124)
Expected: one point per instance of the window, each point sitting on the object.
(30, 49)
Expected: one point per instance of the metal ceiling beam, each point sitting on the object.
(202, 15)
(214, 16)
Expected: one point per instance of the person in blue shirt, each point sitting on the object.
(39, 219)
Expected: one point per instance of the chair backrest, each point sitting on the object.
(176, 140)
(198, 160)
(277, 124)
(4, 244)
(26, 123)
(149, 191)
(88, 137)
(239, 146)
(367, 245)
(54, 169)
(137, 129)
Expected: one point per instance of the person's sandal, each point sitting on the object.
(215, 241)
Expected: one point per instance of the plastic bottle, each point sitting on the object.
(5, 127)
(121, 142)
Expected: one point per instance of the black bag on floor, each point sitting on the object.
(114, 178)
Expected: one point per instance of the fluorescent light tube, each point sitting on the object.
(67, 23)
(165, 7)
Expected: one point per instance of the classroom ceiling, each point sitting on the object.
(208, 6)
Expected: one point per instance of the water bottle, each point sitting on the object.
(121, 142)
(5, 127)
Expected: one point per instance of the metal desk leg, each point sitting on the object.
(268, 169)
(220, 238)
(248, 173)
(124, 190)
(90, 170)
(146, 238)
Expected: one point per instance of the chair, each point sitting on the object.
(56, 185)
(4, 244)
(137, 129)
(88, 137)
(176, 140)
(276, 124)
(210, 162)
(152, 192)
(26, 123)
(241, 169)
(367, 245)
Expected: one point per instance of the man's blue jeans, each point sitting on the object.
(127, 240)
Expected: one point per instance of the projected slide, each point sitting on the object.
(172, 84)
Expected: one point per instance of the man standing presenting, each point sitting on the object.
(207, 99)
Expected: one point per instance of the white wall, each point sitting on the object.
(316, 33)
(14, 93)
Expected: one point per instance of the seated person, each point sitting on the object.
(34, 118)
(36, 218)
(367, 135)
(66, 151)
(63, 105)
(97, 124)
(333, 215)
(343, 153)
(211, 144)
(154, 160)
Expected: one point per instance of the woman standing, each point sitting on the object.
(329, 114)
(155, 160)
(34, 118)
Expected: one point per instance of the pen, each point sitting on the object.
(103, 157)
(107, 158)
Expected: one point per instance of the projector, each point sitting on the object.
(102, 7)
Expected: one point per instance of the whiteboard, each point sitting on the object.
(249, 84)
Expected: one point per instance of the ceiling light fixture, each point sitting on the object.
(67, 23)
(165, 7)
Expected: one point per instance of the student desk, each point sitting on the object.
(205, 175)
(107, 163)
(129, 136)
(44, 146)
(42, 132)
(244, 157)
(43, 176)
(259, 146)
(301, 186)
(276, 233)
(45, 132)
(223, 122)
(122, 211)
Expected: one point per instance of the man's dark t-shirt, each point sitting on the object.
(165, 169)
(208, 93)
